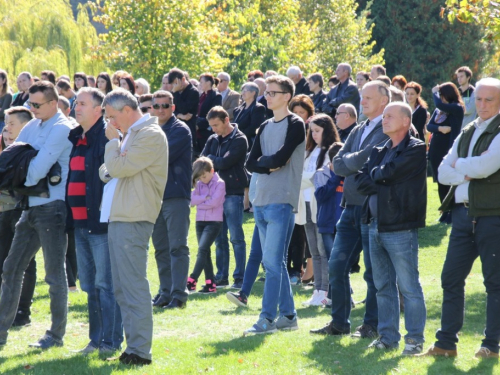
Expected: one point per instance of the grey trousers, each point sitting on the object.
(128, 252)
(318, 253)
(170, 236)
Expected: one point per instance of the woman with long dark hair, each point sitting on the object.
(79, 81)
(103, 83)
(5, 97)
(208, 99)
(418, 105)
(445, 125)
(127, 83)
(321, 135)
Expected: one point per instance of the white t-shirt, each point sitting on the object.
(311, 168)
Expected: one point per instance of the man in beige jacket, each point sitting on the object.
(137, 166)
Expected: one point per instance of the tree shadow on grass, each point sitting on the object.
(243, 344)
(432, 235)
(441, 366)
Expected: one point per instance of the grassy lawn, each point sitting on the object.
(207, 337)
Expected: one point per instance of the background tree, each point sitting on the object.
(37, 35)
(421, 45)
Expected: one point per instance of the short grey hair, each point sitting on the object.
(382, 88)
(144, 84)
(489, 82)
(350, 109)
(119, 99)
(224, 76)
(261, 81)
(293, 70)
(404, 109)
(96, 95)
(64, 102)
(250, 86)
(397, 95)
(346, 66)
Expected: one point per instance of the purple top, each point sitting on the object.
(210, 199)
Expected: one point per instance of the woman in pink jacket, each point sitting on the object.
(208, 195)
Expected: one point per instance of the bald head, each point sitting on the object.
(345, 116)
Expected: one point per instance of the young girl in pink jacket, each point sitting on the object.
(208, 195)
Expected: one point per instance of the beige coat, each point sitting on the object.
(141, 170)
(230, 102)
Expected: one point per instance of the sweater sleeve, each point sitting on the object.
(233, 156)
(255, 154)
(295, 135)
(217, 198)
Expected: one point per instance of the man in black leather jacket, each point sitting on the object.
(394, 181)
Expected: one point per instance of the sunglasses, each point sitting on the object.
(145, 109)
(38, 105)
(163, 105)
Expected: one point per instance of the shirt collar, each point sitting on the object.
(144, 118)
(479, 124)
(52, 120)
(375, 121)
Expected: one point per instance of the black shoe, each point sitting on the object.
(121, 358)
(135, 360)
(330, 329)
(262, 279)
(222, 283)
(22, 319)
(161, 301)
(239, 299)
(365, 331)
(238, 283)
(155, 298)
(175, 304)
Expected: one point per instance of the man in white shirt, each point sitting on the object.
(472, 168)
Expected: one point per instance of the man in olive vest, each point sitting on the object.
(472, 167)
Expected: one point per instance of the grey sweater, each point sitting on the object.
(352, 157)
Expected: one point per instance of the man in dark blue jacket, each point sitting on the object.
(171, 229)
(84, 195)
(227, 149)
(345, 92)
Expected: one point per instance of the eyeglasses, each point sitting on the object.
(145, 109)
(38, 105)
(163, 105)
(272, 94)
(340, 113)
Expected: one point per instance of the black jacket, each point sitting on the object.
(94, 158)
(187, 101)
(318, 100)
(302, 87)
(228, 155)
(400, 185)
(344, 133)
(346, 92)
(269, 112)
(249, 119)
(213, 99)
(179, 159)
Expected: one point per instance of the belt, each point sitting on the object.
(462, 204)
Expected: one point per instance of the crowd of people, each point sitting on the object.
(91, 170)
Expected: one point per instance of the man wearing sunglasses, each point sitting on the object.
(146, 103)
(43, 224)
(171, 229)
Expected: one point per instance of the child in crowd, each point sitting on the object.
(321, 135)
(208, 195)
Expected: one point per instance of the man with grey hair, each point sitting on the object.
(352, 234)
(301, 86)
(472, 168)
(345, 91)
(345, 119)
(137, 166)
(230, 98)
(396, 173)
(84, 195)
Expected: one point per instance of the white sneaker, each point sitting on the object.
(320, 297)
(311, 300)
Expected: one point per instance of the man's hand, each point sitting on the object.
(112, 132)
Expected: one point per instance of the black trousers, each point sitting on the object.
(467, 242)
(296, 250)
(8, 221)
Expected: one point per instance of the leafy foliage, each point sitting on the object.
(37, 35)
(149, 38)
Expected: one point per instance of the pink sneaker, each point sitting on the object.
(191, 284)
(209, 287)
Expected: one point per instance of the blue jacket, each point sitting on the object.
(328, 197)
(94, 158)
(179, 159)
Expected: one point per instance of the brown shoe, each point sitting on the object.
(485, 353)
(435, 352)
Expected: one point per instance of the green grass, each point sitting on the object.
(206, 337)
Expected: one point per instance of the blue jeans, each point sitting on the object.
(38, 226)
(206, 232)
(466, 245)
(94, 270)
(328, 239)
(350, 239)
(394, 256)
(253, 263)
(233, 221)
(277, 220)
